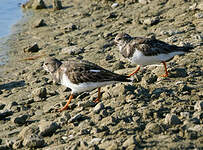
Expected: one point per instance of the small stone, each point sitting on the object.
(185, 115)
(20, 120)
(28, 131)
(40, 92)
(98, 107)
(47, 128)
(2, 106)
(38, 23)
(151, 21)
(143, 1)
(57, 5)
(70, 27)
(199, 106)
(33, 48)
(77, 118)
(200, 6)
(172, 119)
(130, 141)
(33, 141)
(198, 115)
(153, 128)
(38, 4)
(72, 50)
(5, 113)
(95, 141)
(114, 5)
(64, 118)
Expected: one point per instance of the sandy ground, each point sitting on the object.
(150, 113)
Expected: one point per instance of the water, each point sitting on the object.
(10, 14)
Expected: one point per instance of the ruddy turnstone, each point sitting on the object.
(146, 51)
(80, 76)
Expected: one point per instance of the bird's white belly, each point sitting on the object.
(85, 86)
(142, 60)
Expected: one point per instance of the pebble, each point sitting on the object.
(31, 129)
(17, 144)
(77, 118)
(199, 15)
(64, 118)
(47, 128)
(40, 93)
(151, 21)
(38, 4)
(33, 48)
(2, 106)
(33, 141)
(198, 106)
(38, 23)
(5, 113)
(114, 5)
(130, 141)
(95, 141)
(72, 50)
(153, 128)
(20, 120)
(172, 119)
(57, 5)
(98, 108)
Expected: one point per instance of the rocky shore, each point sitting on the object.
(149, 113)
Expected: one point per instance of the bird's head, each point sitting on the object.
(51, 64)
(122, 39)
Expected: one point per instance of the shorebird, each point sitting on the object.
(146, 51)
(81, 76)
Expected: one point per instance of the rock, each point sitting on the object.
(72, 50)
(38, 23)
(33, 141)
(114, 5)
(198, 115)
(63, 119)
(5, 113)
(77, 118)
(70, 27)
(98, 107)
(47, 128)
(172, 119)
(199, 106)
(144, 1)
(28, 4)
(40, 92)
(31, 129)
(108, 145)
(38, 4)
(33, 48)
(130, 141)
(151, 21)
(2, 106)
(20, 120)
(95, 141)
(153, 128)
(185, 115)
(57, 5)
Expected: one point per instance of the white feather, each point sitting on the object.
(81, 87)
(140, 59)
(94, 70)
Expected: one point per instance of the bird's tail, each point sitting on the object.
(123, 78)
(185, 49)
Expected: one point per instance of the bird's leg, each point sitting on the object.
(138, 68)
(166, 72)
(99, 96)
(68, 102)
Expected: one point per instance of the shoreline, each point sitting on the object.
(130, 116)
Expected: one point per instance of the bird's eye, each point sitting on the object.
(46, 64)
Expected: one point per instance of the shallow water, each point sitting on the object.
(10, 14)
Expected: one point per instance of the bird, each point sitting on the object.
(146, 51)
(80, 76)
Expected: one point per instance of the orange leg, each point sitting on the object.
(99, 96)
(166, 72)
(138, 68)
(68, 102)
